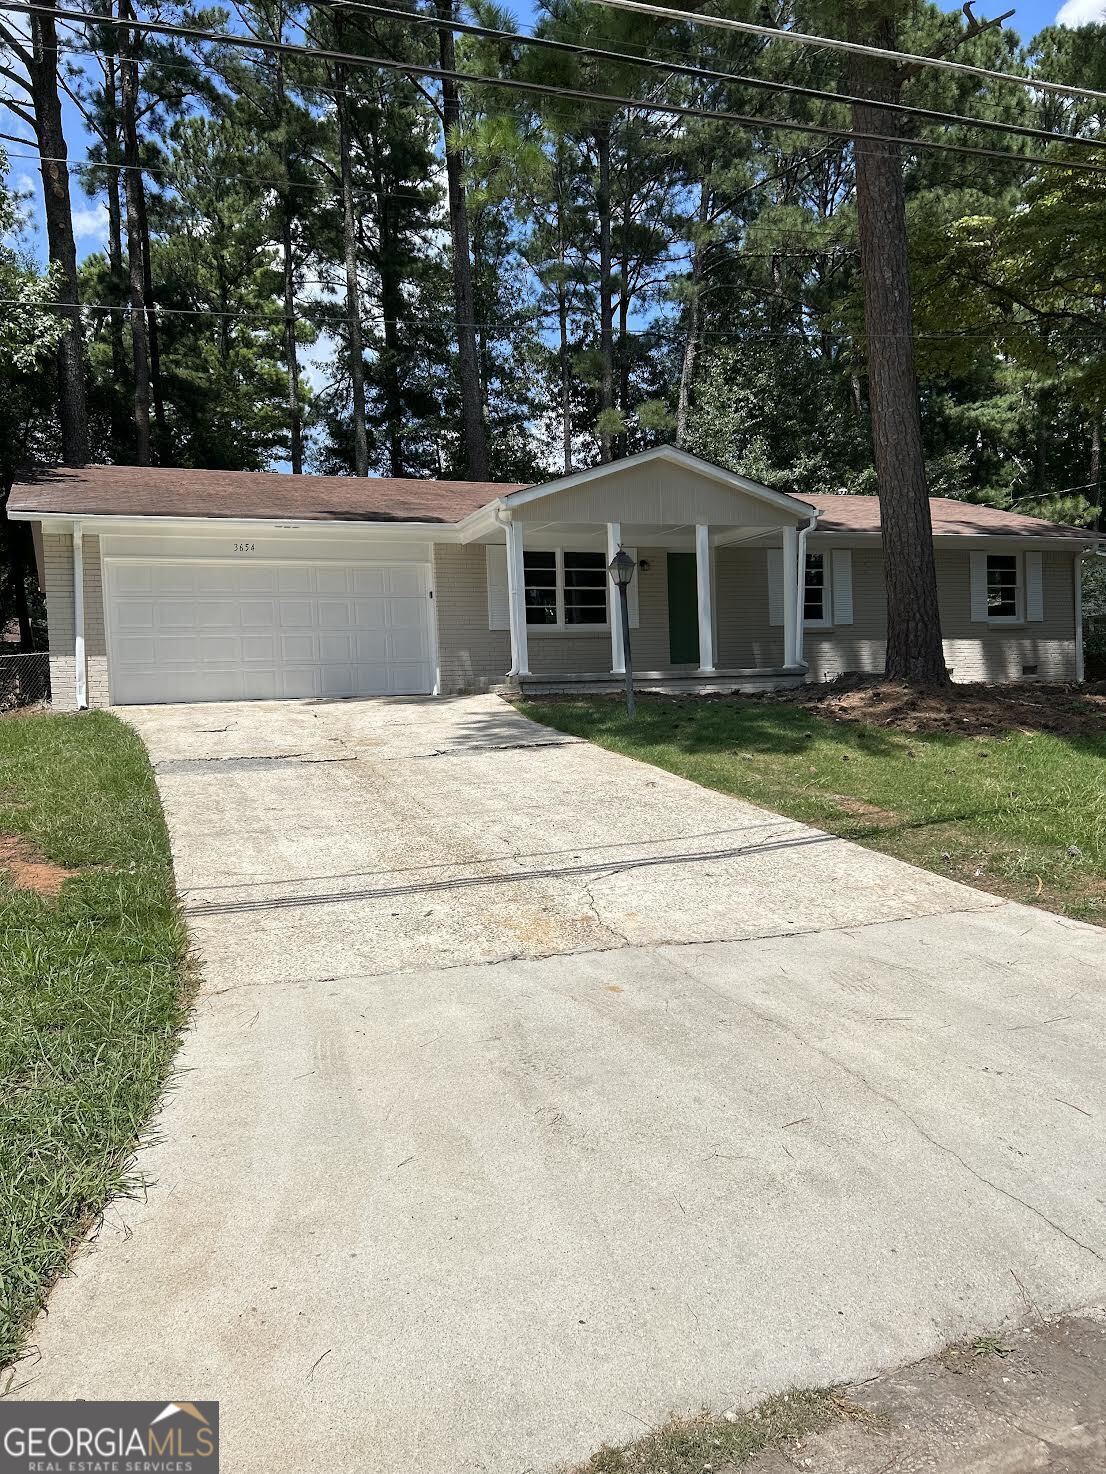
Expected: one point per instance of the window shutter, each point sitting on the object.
(775, 586)
(499, 611)
(631, 592)
(1034, 588)
(979, 587)
(842, 586)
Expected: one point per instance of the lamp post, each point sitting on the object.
(621, 568)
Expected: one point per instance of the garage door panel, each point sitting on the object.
(335, 614)
(298, 649)
(258, 649)
(135, 578)
(337, 646)
(216, 578)
(176, 614)
(336, 580)
(294, 580)
(408, 646)
(137, 650)
(369, 647)
(136, 614)
(406, 680)
(257, 578)
(403, 582)
(369, 581)
(207, 631)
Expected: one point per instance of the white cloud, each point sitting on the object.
(1081, 12)
(90, 222)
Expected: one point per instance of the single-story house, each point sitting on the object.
(180, 585)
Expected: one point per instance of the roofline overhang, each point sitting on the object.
(126, 522)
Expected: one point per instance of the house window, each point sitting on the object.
(585, 588)
(540, 570)
(565, 588)
(815, 610)
(1002, 586)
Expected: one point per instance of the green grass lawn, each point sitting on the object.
(93, 989)
(1022, 815)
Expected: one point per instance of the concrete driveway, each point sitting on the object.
(534, 1092)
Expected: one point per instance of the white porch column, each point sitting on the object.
(790, 594)
(706, 598)
(516, 600)
(80, 661)
(614, 603)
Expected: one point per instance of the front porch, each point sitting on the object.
(715, 603)
(661, 682)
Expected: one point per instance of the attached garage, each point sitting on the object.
(225, 630)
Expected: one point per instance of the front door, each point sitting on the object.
(683, 610)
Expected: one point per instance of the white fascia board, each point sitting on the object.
(439, 532)
(790, 504)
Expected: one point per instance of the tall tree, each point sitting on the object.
(37, 56)
(915, 653)
(468, 361)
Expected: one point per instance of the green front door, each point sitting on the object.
(683, 610)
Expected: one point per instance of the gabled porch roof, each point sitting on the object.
(662, 487)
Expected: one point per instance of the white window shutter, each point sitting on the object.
(775, 586)
(842, 563)
(979, 587)
(631, 592)
(1034, 588)
(499, 609)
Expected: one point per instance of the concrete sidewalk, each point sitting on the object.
(534, 1092)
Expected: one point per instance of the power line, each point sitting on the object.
(598, 100)
(824, 234)
(832, 43)
(699, 73)
(806, 333)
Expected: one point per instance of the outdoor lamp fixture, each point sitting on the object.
(621, 568)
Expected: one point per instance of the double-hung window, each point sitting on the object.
(817, 612)
(565, 589)
(1002, 586)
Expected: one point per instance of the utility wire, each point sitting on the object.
(688, 69)
(598, 100)
(807, 332)
(856, 48)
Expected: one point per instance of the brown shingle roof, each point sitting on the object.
(950, 518)
(159, 491)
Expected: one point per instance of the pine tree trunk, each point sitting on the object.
(468, 363)
(353, 288)
(691, 343)
(291, 348)
(914, 650)
(606, 304)
(140, 344)
(120, 423)
(565, 369)
(1096, 470)
(58, 209)
(391, 303)
(153, 330)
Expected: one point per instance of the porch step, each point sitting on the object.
(670, 683)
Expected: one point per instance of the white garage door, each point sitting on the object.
(222, 631)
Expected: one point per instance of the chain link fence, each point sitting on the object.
(1094, 647)
(24, 680)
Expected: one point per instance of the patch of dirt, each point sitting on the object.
(969, 710)
(30, 870)
(859, 809)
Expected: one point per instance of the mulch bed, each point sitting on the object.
(969, 710)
